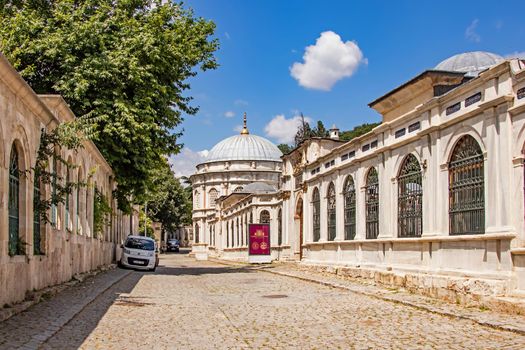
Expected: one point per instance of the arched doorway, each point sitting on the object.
(298, 218)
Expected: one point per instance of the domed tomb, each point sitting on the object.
(471, 63)
(244, 147)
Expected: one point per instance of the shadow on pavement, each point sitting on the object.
(200, 270)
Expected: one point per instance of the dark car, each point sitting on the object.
(173, 245)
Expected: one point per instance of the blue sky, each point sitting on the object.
(380, 44)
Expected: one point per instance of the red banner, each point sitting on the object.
(259, 239)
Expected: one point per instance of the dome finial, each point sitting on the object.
(244, 130)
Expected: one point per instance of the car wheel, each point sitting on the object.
(119, 264)
(153, 269)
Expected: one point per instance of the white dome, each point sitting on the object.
(244, 147)
(470, 62)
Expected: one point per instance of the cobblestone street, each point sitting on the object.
(206, 305)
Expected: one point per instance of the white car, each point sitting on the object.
(138, 252)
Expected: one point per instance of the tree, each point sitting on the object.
(170, 203)
(303, 131)
(319, 130)
(285, 148)
(357, 131)
(121, 65)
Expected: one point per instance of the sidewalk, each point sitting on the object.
(480, 315)
(32, 327)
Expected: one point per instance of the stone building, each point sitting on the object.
(433, 198)
(235, 186)
(34, 255)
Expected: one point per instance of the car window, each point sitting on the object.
(139, 243)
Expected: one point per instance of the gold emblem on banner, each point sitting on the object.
(264, 245)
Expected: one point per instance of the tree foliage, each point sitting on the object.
(284, 148)
(170, 204)
(357, 131)
(121, 65)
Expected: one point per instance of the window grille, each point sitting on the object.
(264, 217)
(409, 200)
(316, 204)
(331, 212)
(14, 204)
(521, 93)
(36, 216)
(472, 99)
(213, 194)
(350, 208)
(372, 204)
(466, 188)
(413, 127)
(400, 132)
(280, 227)
(454, 108)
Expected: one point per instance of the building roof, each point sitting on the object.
(258, 187)
(244, 147)
(471, 63)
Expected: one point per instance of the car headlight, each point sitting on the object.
(126, 251)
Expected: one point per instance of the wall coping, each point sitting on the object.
(424, 239)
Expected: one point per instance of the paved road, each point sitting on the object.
(190, 305)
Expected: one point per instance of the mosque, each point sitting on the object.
(432, 198)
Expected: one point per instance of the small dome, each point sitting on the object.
(470, 63)
(244, 147)
(259, 187)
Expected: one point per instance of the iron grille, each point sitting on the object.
(316, 216)
(280, 227)
(410, 199)
(466, 188)
(36, 217)
(265, 217)
(350, 206)
(372, 204)
(14, 204)
(331, 212)
(227, 235)
(238, 234)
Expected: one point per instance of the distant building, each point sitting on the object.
(34, 255)
(433, 198)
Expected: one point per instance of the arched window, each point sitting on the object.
(15, 247)
(67, 201)
(197, 233)
(264, 217)
(316, 215)
(232, 235)
(36, 216)
(372, 204)
(238, 233)
(78, 224)
(238, 189)
(227, 235)
(213, 193)
(331, 209)
(349, 196)
(280, 227)
(54, 181)
(409, 199)
(466, 188)
(241, 232)
(196, 200)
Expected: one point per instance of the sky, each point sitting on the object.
(327, 60)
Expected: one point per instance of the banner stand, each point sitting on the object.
(259, 251)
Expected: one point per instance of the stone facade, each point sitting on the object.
(69, 246)
(427, 122)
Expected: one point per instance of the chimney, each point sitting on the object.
(334, 132)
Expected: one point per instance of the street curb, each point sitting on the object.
(503, 327)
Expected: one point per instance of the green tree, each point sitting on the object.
(304, 131)
(320, 130)
(283, 147)
(357, 131)
(170, 205)
(121, 65)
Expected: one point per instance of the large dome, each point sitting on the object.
(244, 147)
(470, 62)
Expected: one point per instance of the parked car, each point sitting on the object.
(173, 245)
(138, 252)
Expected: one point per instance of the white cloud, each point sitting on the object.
(470, 32)
(327, 62)
(240, 102)
(283, 130)
(516, 54)
(184, 163)
(229, 114)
